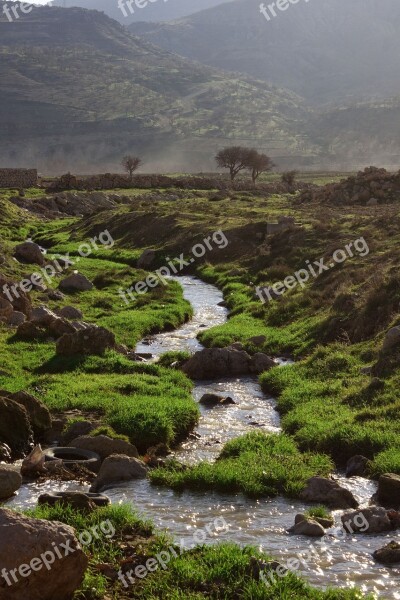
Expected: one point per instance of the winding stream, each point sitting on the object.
(336, 560)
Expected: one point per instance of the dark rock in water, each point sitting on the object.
(329, 493)
(308, 527)
(116, 468)
(389, 554)
(82, 501)
(215, 400)
(388, 493)
(15, 428)
(356, 466)
(367, 520)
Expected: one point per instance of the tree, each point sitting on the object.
(258, 163)
(130, 164)
(233, 158)
(289, 179)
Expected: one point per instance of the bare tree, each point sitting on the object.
(258, 163)
(131, 164)
(233, 158)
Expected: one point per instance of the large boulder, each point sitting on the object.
(15, 428)
(328, 492)
(261, 362)
(93, 340)
(212, 363)
(104, 446)
(367, 520)
(31, 549)
(388, 493)
(116, 468)
(76, 283)
(38, 413)
(42, 316)
(10, 481)
(29, 252)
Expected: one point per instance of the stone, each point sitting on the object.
(23, 540)
(308, 527)
(261, 362)
(5, 453)
(104, 446)
(93, 340)
(367, 520)
(29, 252)
(258, 340)
(59, 326)
(42, 316)
(76, 430)
(116, 468)
(16, 319)
(389, 554)
(356, 466)
(212, 363)
(70, 312)
(210, 399)
(76, 500)
(38, 413)
(328, 492)
(15, 429)
(33, 464)
(10, 481)
(76, 282)
(388, 493)
(6, 309)
(392, 339)
(146, 259)
(29, 331)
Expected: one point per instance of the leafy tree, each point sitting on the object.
(258, 163)
(234, 158)
(131, 164)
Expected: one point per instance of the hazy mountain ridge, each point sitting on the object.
(325, 51)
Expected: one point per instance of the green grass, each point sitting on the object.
(255, 464)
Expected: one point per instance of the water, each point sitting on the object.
(336, 560)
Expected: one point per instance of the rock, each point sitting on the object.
(326, 491)
(356, 466)
(70, 312)
(10, 481)
(118, 467)
(16, 319)
(258, 340)
(76, 430)
(15, 429)
(367, 520)
(29, 331)
(94, 340)
(55, 295)
(237, 346)
(392, 338)
(326, 522)
(105, 446)
(76, 500)
(146, 259)
(389, 554)
(76, 282)
(215, 400)
(6, 309)
(212, 363)
(261, 362)
(20, 300)
(388, 493)
(29, 252)
(27, 542)
(42, 316)
(308, 527)
(33, 464)
(38, 413)
(59, 326)
(5, 453)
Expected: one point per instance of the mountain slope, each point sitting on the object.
(154, 10)
(77, 86)
(325, 50)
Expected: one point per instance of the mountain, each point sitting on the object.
(325, 50)
(153, 10)
(79, 91)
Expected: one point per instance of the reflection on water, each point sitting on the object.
(336, 560)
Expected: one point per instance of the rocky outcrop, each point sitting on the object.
(105, 446)
(212, 363)
(93, 340)
(15, 428)
(118, 467)
(38, 413)
(29, 547)
(76, 283)
(10, 481)
(388, 493)
(30, 253)
(326, 491)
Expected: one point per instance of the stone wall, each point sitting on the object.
(18, 178)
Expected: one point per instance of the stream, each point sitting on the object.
(336, 560)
